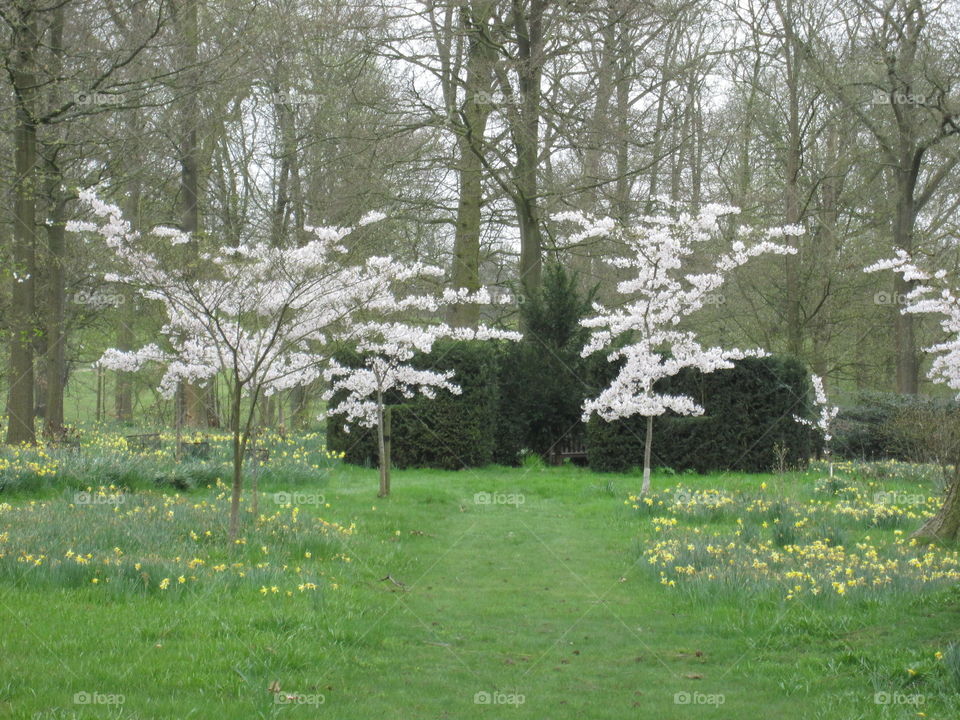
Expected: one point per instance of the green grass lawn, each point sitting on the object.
(433, 605)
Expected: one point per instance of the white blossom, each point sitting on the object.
(659, 295)
(827, 412)
(644, 333)
(937, 295)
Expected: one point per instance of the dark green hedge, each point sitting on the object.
(749, 412)
(448, 432)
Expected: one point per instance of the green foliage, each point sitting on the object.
(890, 426)
(749, 411)
(543, 378)
(447, 432)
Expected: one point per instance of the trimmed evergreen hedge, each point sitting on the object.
(749, 413)
(515, 398)
(448, 432)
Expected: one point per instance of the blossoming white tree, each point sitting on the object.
(936, 292)
(825, 417)
(644, 334)
(387, 349)
(260, 317)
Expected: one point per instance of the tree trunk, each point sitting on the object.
(944, 527)
(905, 344)
(195, 410)
(600, 140)
(623, 210)
(477, 106)
(55, 332)
(530, 58)
(646, 456)
(53, 425)
(235, 410)
(383, 443)
(21, 320)
(99, 410)
(123, 389)
(299, 408)
(793, 316)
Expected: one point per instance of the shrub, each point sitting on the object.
(888, 426)
(543, 377)
(447, 432)
(748, 413)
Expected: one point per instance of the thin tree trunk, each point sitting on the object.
(99, 412)
(299, 407)
(382, 434)
(388, 441)
(255, 478)
(646, 456)
(235, 410)
(55, 331)
(793, 150)
(123, 387)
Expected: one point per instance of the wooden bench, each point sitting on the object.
(571, 447)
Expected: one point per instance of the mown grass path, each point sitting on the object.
(547, 600)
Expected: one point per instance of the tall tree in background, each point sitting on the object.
(187, 23)
(521, 78)
(21, 61)
(46, 100)
(904, 53)
(470, 123)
